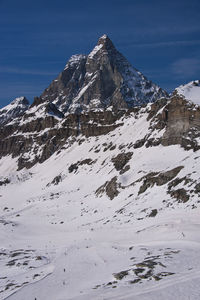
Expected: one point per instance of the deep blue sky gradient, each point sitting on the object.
(160, 38)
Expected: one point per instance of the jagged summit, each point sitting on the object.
(102, 79)
(105, 41)
(104, 46)
(104, 37)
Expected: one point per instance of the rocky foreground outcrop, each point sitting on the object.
(182, 123)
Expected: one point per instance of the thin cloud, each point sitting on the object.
(11, 90)
(26, 71)
(164, 44)
(186, 67)
(168, 30)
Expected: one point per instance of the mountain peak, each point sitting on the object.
(105, 44)
(104, 36)
(102, 79)
(105, 41)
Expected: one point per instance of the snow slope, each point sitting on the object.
(62, 237)
(190, 91)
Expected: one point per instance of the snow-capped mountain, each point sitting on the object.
(13, 110)
(99, 202)
(101, 79)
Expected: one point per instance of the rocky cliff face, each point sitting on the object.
(183, 123)
(35, 141)
(174, 121)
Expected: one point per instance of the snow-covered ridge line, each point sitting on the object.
(94, 51)
(13, 110)
(17, 102)
(190, 91)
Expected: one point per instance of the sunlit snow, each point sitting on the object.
(190, 91)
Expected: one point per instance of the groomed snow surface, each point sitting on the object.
(61, 241)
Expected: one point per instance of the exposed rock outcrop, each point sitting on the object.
(158, 178)
(110, 188)
(183, 123)
(121, 160)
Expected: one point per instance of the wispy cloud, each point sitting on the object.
(169, 29)
(164, 44)
(186, 67)
(26, 71)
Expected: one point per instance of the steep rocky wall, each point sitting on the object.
(182, 123)
(37, 140)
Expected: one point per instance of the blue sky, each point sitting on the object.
(160, 38)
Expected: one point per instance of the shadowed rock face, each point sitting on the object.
(179, 118)
(65, 87)
(43, 133)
